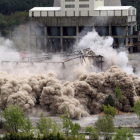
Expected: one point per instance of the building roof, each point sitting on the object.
(113, 8)
(46, 9)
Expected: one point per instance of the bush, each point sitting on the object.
(22, 136)
(124, 134)
(105, 126)
(14, 117)
(44, 124)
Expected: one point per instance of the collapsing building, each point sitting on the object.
(59, 27)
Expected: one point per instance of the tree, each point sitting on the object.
(67, 123)
(109, 101)
(56, 127)
(105, 126)
(44, 124)
(124, 134)
(109, 111)
(14, 117)
(136, 108)
(119, 96)
(27, 127)
(75, 130)
(93, 135)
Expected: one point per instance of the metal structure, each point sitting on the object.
(96, 60)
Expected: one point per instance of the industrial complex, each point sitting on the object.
(63, 25)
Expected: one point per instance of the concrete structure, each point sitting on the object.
(64, 24)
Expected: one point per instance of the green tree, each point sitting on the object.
(119, 96)
(93, 135)
(105, 126)
(44, 124)
(14, 117)
(124, 134)
(109, 111)
(109, 101)
(27, 127)
(67, 122)
(56, 128)
(136, 108)
(75, 130)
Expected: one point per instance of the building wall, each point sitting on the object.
(98, 3)
(112, 2)
(77, 5)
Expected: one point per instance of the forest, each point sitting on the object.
(15, 12)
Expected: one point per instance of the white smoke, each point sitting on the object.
(103, 46)
(8, 51)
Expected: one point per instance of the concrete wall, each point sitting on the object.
(77, 5)
(98, 3)
(112, 2)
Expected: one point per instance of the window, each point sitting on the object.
(69, 0)
(83, 0)
(88, 13)
(79, 13)
(69, 6)
(74, 13)
(32, 14)
(129, 12)
(84, 6)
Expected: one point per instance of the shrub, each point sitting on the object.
(14, 117)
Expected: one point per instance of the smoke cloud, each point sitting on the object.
(78, 87)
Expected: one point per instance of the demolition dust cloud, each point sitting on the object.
(78, 87)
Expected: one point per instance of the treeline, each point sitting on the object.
(12, 6)
(16, 12)
(7, 23)
(136, 4)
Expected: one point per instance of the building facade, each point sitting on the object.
(58, 28)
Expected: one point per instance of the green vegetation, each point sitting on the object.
(109, 101)
(7, 23)
(109, 111)
(105, 126)
(12, 6)
(14, 117)
(124, 134)
(48, 129)
(27, 127)
(136, 108)
(67, 123)
(30, 136)
(93, 134)
(16, 12)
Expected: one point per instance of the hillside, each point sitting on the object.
(11, 6)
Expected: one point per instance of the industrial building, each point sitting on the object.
(58, 28)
